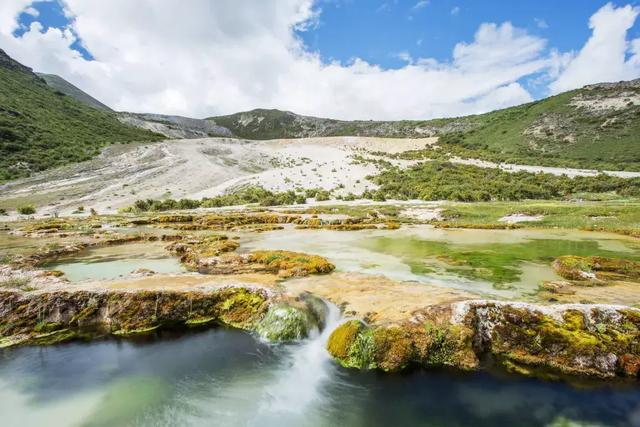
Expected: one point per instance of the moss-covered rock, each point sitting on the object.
(284, 322)
(578, 340)
(597, 270)
(49, 317)
(549, 341)
(287, 263)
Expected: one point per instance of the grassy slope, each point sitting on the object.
(567, 136)
(61, 85)
(502, 133)
(41, 128)
(274, 124)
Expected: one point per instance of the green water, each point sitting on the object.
(494, 263)
(224, 377)
(113, 262)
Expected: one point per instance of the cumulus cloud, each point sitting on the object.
(9, 11)
(607, 55)
(216, 58)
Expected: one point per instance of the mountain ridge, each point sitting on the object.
(41, 128)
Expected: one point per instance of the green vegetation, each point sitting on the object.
(27, 210)
(61, 85)
(285, 323)
(274, 124)
(288, 263)
(562, 130)
(597, 269)
(41, 128)
(618, 216)
(554, 132)
(248, 195)
(447, 181)
(499, 263)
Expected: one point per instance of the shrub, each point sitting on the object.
(27, 210)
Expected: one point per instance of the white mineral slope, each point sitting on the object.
(196, 168)
(570, 172)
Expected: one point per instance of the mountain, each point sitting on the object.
(175, 127)
(597, 126)
(274, 124)
(61, 85)
(41, 127)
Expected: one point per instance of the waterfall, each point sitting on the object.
(304, 371)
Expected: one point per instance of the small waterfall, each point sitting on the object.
(304, 371)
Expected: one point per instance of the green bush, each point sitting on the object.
(438, 180)
(27, 210)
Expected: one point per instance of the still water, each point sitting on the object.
(490, 263)
(225, 377)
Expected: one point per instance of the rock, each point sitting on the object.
(142, 272)
(286, 323)
(59, 315)
(578, 339)
(597, 270)
(558, 287)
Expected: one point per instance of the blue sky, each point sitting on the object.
(377, 30)
(368, 59)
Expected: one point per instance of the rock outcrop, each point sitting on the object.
(549, 341)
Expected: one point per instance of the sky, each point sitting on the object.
(345, 59)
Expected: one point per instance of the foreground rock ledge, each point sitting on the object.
(598, 341)
(53, 316)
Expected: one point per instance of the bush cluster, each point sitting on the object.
(439, 180)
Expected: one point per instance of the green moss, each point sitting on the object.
(54, 337)
(597, 268)
(541, 342)
(200, 322)
(362, 351)
(45, 327)
(288, 263)
(139, 331)
(285, 323)
(393, 348)
(342, 337)
(241, 308)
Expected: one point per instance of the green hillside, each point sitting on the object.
(597, 126)
(594, 127)
(61, 85)
(42, 128)
(275, 124)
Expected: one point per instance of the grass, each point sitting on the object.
(41, 128)
(615, 216)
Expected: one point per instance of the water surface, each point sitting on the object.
(112, 262)
(225, 377)
(490, 263)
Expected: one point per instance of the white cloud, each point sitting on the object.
(216, 58)
(604, 56)
(404, 56)
(541, 23)
(9, 11)
(32, 11)
(421, 4)
(455, 11)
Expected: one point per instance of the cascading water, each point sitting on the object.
(303, 371)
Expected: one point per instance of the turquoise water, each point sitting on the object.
(113, 262)
(225, 377)
(490, 263)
